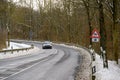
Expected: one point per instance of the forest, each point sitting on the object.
(68, 21)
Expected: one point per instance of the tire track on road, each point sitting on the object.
(13, 71)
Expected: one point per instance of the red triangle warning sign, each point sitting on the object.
(95, 34)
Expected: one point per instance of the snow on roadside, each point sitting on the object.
(20, 53)
(112, 73)
(14, 45)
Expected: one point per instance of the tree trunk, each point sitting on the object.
(102, 31)
(115, 28)
(87, 5)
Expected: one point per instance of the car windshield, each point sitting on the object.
(47, 42)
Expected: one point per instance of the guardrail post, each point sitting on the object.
(5, 52)
(93, 64)
(93, 55)
(17, 50)
(32, 46)
(93, 77)
(90, 47)
(93, 69)
(105, 64)
(26, 49)
(11, 49)
(101, 52)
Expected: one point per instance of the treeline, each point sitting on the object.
(69, 21)
(51, 22)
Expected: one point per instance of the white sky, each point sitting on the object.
(28, 2)
(35, 2)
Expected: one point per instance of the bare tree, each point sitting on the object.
(115, 29)
(113, 9)
(87, 7)
(102, 29)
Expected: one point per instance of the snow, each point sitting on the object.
(112, 73)
(20, 53)
(16, 46)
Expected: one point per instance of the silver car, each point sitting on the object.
(47, 45)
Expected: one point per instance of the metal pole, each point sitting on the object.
(8, 36)
(8, 23)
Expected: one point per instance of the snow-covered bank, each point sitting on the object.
(14, 45)
(112, 73)
(20, 53)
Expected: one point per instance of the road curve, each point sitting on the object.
(58, 63)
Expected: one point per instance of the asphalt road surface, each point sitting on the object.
(58, 63)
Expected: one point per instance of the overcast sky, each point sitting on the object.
(35, 2)
(35, 5)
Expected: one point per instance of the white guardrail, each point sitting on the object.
(16, 50)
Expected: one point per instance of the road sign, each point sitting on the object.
(95, 36)
(95, 39)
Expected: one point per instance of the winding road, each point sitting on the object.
(58, 63)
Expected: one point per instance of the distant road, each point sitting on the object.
(58, 63)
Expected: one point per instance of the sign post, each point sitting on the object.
(95, 38)
(8, 36)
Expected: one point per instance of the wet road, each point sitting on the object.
(58, 63)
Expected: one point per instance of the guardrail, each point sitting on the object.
(16, 50)
(90, 64)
